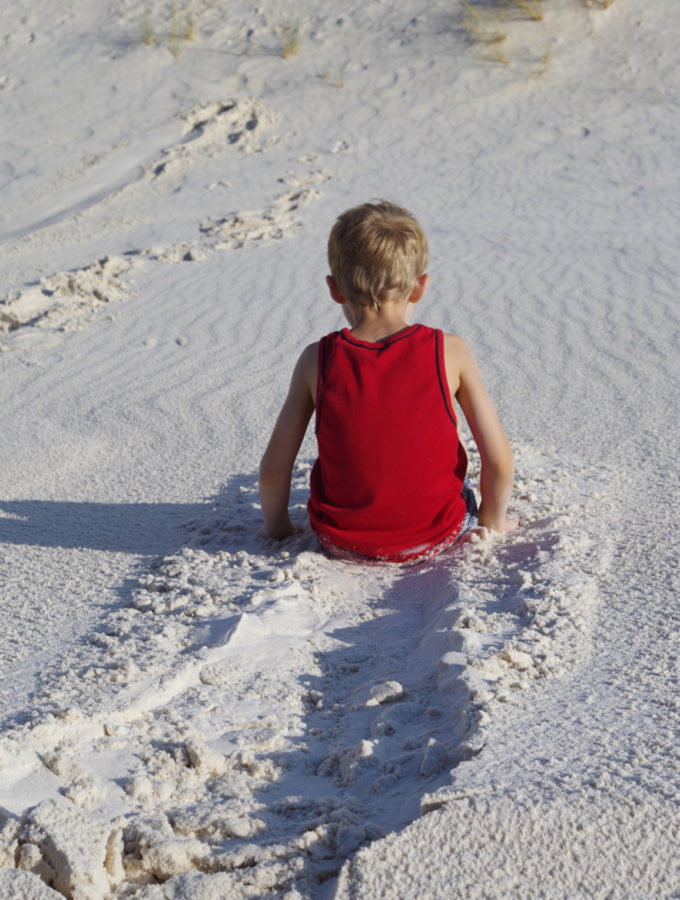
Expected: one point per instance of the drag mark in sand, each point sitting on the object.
(258, 712)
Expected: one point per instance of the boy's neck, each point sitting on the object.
(372, 325)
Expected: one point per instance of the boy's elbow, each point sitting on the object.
(267, 473)
(272, 473)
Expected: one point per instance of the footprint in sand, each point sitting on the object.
(211, 127)
(66, 300)
(241, 229)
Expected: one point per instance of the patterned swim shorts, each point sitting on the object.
(471, 519)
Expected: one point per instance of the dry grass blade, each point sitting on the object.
(482, 25)
(148, 33)
(289, 33)
(532, 9)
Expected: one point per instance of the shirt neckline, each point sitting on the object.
(347, 335)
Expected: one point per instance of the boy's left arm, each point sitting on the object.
(279, 458)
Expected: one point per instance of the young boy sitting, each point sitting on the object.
(389, 482)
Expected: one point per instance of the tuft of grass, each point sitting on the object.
(182, 27)
(482, 25)
(290, 35)
(487, 21)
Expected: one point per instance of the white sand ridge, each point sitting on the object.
(67, 300)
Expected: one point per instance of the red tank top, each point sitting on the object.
(388, 480)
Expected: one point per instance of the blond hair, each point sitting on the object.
(376, 253)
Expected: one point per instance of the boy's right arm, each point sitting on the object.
(465, 381)
(279, 457)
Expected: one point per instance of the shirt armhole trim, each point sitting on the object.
(320, 383)
(441, 374)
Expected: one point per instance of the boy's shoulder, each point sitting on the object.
(309, 356)
(456, 347)
(455, 341)
(458, 359)
(305, 373)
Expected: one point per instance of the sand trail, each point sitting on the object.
(252, 698)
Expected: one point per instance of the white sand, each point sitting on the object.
(190, 711)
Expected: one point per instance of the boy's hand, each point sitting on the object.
(502, 525)
(510, 523)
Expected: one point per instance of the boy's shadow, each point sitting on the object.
(56, 529)
(142, 529)
(137, 528)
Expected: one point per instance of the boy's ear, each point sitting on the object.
(334, 289)
(419, 288)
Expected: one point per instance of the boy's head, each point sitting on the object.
(376, 253)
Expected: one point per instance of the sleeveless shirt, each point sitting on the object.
(388, 480)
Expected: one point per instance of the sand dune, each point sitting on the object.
(190, 710)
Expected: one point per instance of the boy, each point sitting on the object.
(389, 482)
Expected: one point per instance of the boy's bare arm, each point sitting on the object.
(465, 380)
(279, 457)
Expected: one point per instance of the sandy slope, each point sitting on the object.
(189, 710)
